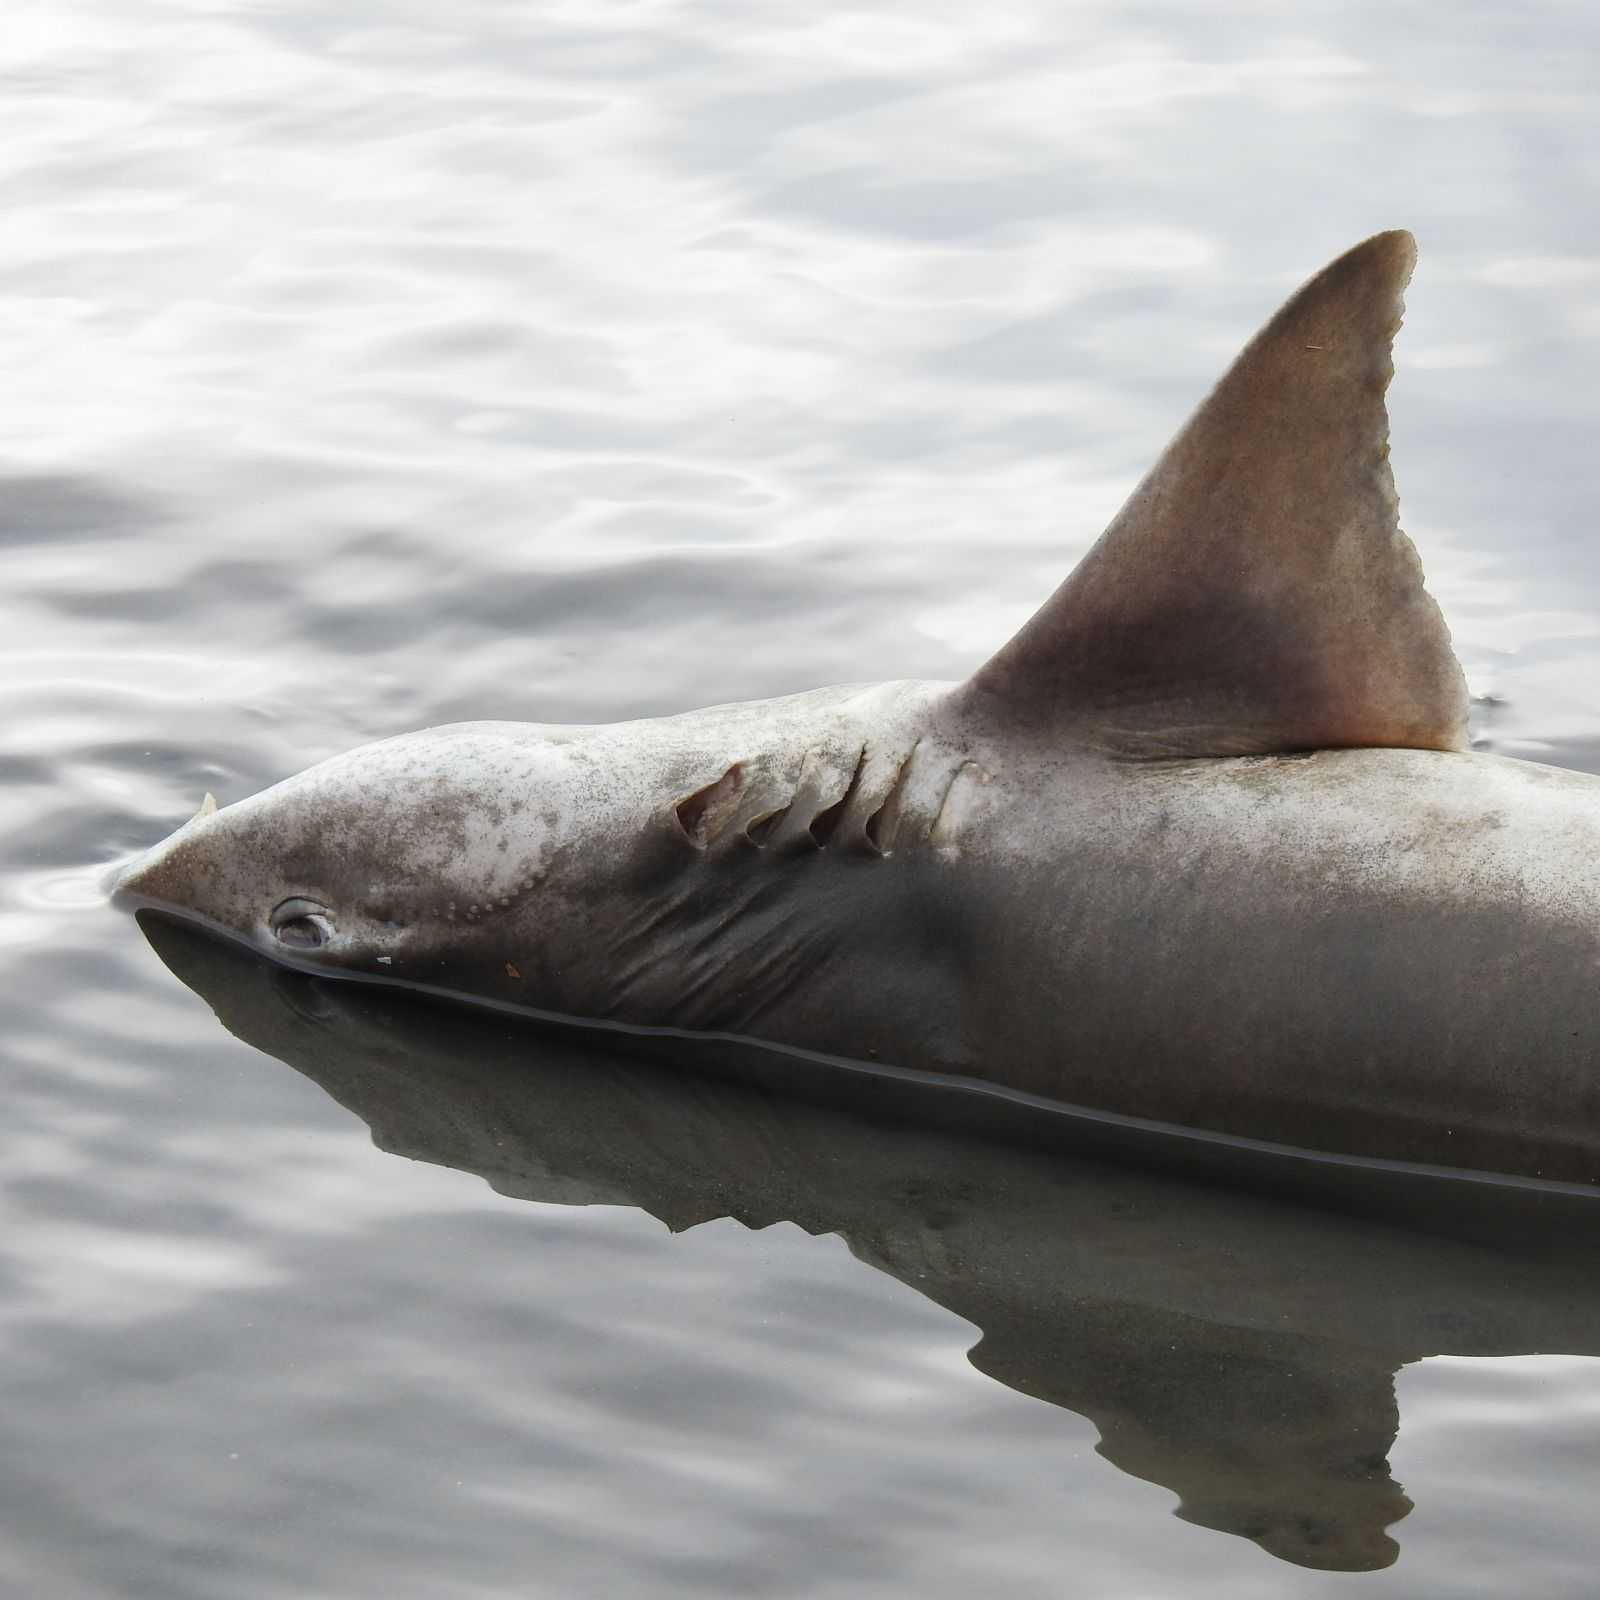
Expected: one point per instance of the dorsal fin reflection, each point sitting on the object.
(1239, 1352)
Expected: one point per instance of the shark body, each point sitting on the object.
(1204, 843)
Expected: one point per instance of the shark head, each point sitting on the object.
(389, 860)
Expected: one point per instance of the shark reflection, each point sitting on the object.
(1238, 1351)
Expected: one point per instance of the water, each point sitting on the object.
(369, 366)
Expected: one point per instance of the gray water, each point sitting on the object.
(375, 365)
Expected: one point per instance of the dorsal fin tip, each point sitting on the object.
(1255, 594)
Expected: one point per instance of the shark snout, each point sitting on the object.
(165, 873)
(150, 879)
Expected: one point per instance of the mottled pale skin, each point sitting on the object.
(1126, 866)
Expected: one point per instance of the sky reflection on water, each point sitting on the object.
(370, 366)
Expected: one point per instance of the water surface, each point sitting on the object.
(369, 366)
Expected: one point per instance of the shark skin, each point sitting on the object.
(1203, 843)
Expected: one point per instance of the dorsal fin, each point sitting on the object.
(1256, 594)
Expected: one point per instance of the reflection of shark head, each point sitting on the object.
(1239, 1353)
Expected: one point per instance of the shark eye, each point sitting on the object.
(301, 924)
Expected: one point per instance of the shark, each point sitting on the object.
(1204, 845)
